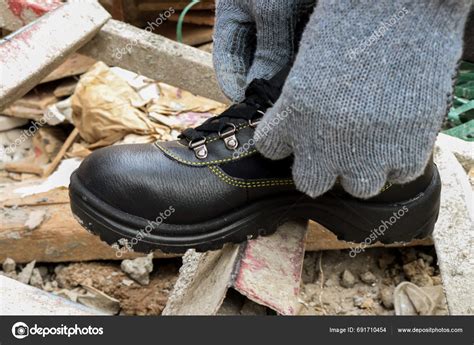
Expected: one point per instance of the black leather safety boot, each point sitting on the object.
(212, 187)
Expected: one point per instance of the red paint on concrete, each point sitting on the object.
(38, 7)
(11, 48)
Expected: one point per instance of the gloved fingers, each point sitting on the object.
(311, 174)
(234, 45)
(270, 137)
(271, 143)
(409, 167)
(364, 183)
(276, 35)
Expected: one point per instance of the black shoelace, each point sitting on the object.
(259, 96)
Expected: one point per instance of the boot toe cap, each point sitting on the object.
(126, 177)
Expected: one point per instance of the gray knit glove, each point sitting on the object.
(367, 93)
(254, 39)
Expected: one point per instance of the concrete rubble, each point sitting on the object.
(266, 270)
(25, 63)
(139, 269)
(21, 299)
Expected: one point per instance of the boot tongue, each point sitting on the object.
(259, 96)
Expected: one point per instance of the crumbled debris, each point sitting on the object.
(108, 278)
(127, 282)
(418, 273)
(25, 275)
(363, 303)
(347, 279)
(331, 297)
(368, 278)
(139, 269)
(36, 279)
(386, 296)
(9, 265)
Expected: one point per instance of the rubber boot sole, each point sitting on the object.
(349, 219)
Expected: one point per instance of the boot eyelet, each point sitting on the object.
(230, 140)
(254, 123)
(199, 147)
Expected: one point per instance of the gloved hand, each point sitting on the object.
(367, 94)
(255, 39)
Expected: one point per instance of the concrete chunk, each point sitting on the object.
(31, 53)
(156, 57)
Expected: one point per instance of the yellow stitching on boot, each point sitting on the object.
(386, 186)
(204, 163)
(245, 184)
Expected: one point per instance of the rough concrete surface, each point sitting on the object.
(17, 13)
(154, 56)
(454, 233)
(267, 270)
(31, 53)
(21, 299)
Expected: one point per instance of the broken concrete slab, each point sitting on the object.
(154, 56)
(454, 233)
(24, 62)
(462, 150)
(266, 270)
(21, 299)
(151, 55)
(17, 13)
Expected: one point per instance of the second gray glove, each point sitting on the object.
(255, 39)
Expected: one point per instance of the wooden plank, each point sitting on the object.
(58, 238)
(320, 238)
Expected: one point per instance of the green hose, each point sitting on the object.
(179, 26)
